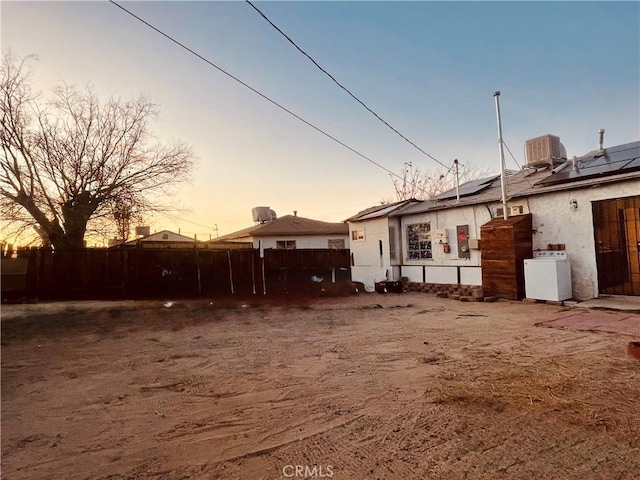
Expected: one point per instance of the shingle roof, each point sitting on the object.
(289, 225)
(618, 163)
(380, 210)
(517, 185)
(157, 237)
(469, 188)
(599, 164)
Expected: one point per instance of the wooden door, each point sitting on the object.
(632, 233)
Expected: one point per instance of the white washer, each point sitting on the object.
(547, 276)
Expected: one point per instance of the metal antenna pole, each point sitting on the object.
(503, 182)
(455, 163)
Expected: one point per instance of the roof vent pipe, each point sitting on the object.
(601, 141)
(560, 167)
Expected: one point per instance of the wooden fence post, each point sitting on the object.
(264, 281)
(198, 266)
(125, 271)
(253, 272)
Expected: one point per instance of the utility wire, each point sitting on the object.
(174, 217)
(517, 163)
(514, 158)
(318, 129)
(343, 87)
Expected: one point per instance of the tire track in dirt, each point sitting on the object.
(389, 393)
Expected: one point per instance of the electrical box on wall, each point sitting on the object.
(513, 210)
(474, 244)
(463, 241)
(519, 209)
(441, 236)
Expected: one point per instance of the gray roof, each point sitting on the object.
(469, 188)
(599, 164)
(379, 211)
(614, 164)
(518, 185)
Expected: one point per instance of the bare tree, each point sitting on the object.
(125, 211)
(425, 186)
(74, 158)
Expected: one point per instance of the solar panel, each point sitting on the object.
(379, 213)
(468, 188)
(616, 160)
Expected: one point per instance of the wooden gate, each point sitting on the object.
(617, 240)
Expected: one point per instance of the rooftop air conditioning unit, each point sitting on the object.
(143, 231)
(545, 150)
(263, 214)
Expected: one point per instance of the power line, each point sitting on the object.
(343, 87)
(517, 163)
(318, 129)
(174, 217)
(514, 158)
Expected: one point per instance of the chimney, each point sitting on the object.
(295, 213)
(601, 141)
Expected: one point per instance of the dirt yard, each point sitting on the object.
(365, 387)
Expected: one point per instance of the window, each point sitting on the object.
(337, 243)
(165, 236)
(286, 244)
(419, 241)
(357, 235)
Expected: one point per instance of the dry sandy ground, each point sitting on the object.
(365, 387)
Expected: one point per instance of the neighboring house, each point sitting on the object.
(291, 232)
(163, 239)
(375, 244)
(591, 205)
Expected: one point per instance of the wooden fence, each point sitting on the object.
(107, 273)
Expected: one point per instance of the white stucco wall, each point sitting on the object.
(442, 274)
(554, 221)
(369, 266)
(470, 275)
(302, 241)
(414, 273)
(473, 216)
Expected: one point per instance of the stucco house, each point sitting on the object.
(375, 238)
(291, 232)
(589, 205)
(161, 239)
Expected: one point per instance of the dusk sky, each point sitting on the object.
(428, 68)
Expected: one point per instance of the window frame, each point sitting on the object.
(358, 235)
(286, 245)
(419, 241)
(341, 241)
